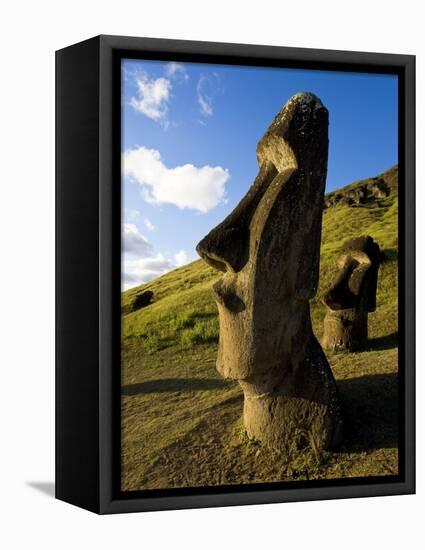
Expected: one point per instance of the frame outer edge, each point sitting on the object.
(251, 51)
(77, 359)
(107, 502)
(106, 352)
(410, 280)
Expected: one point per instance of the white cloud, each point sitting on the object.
(174, 69)
(140, 264)
(181, 258)
(206, 89)
(142, 270)
(152, 98)
(184, 186)
(149, 224)
(206, 105)
(131, 214)
(134, 243)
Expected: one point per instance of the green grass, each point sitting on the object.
(181, 312)
(181, 423)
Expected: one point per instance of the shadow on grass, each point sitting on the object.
(383, 342)
(371, 412)
(174, 385)
(390, 255)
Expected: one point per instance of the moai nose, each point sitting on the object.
(226, 246)
(340, 296)
(358, 274)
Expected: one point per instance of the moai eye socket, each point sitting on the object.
(226, 247)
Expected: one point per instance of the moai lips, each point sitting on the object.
(352, 295)
(269, 249)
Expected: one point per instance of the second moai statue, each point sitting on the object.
(352, 295)
(269, 251)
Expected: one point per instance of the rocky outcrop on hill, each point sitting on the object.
(365, 192)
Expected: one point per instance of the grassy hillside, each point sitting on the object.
(181, 422)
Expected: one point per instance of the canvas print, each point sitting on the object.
(259, 275)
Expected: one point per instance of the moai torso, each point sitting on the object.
(352, 296)
(269, 250)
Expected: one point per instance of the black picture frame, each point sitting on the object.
(88, 249)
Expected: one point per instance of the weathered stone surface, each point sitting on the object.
(142, 300)
(268, 249)
(352, 295)
(380, 189)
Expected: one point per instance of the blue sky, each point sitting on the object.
(189, 133)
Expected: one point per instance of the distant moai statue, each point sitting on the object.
(269, 251)
(142, 299)
(352, 295)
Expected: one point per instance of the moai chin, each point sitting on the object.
(352, 295)
(268, 249)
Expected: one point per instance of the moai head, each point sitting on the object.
(352, 295)
(356, 282)
(268, 247)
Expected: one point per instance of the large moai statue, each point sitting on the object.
(268, 249)
(352, 295)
